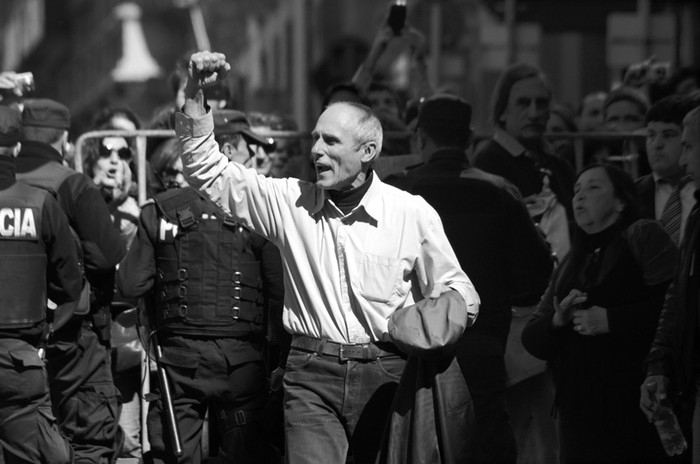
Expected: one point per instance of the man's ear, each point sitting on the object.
(369, 152)
(226, 148)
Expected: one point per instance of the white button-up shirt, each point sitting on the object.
(344, 275)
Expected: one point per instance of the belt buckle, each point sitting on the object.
(341, 353)
(359, 352)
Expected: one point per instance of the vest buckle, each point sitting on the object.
(182, 275)
(237, 293)
(237, 277)
(235, 311)
(186, 218)
(230, 222)
(182, 291)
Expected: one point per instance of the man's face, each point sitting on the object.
(236, 150)
(335, 154)
(527, 112)
(623, 116)
(382, 102)
(249, 155)
(690, 158)
(663, 143)
(592, 113)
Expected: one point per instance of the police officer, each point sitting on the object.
(36, 249)
(212, 285)
(78, 360)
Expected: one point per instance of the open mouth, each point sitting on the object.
(320, 168)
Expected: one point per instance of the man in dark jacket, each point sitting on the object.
(38, 259)
(672, 363)
(78, 359)
(497, 245)
(519, 153)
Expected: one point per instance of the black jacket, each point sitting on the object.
(51, 247)
(646, 194)
(674, 350)
(491, 232)
(41, 166)
(524, 172)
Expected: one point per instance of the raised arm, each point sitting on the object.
(205, 69)
(257, 201)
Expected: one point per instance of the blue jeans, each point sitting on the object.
(333, 406)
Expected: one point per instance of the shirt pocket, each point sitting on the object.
(379, 277)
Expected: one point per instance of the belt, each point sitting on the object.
(344, 351)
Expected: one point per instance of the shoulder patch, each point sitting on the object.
(18, 223)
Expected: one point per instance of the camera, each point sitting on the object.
(649, 72)
(397, 16)
(658, 72)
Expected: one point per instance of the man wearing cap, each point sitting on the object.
(239, 142)
(496, 244)
(216, 289)
(38, 260)
(78, 359)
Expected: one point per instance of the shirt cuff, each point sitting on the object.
(194, 126)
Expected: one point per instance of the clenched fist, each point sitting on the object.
(207, 68)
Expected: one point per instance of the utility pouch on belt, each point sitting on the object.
(102, 324)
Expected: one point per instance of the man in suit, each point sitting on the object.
(665, 194)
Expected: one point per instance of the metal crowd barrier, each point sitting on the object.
(388, 164)
(141, 136)
(629, 161)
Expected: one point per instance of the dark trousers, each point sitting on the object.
(485, 376)
(223, 375)
(84, 397)
(334, 405)
(28, 429)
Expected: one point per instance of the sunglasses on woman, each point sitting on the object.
(124, 153)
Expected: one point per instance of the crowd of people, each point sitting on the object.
(502, 301)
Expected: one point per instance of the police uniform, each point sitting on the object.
(78, 359)
(36, 249)
(204, 275)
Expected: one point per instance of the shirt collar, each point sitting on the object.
(371, 202)
(508, 142)
(673, 182)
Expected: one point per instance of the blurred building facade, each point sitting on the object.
(92, 53)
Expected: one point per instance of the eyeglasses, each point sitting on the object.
(124, 153)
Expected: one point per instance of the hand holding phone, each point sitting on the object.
(397, 16)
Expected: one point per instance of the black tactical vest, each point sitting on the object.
(23, 259)
(208, 278)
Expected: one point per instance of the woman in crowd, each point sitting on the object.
(165, 168)
(597, 319)
(107, 163)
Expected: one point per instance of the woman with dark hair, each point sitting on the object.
(165, 168)
(107, 163)
(597, 319)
